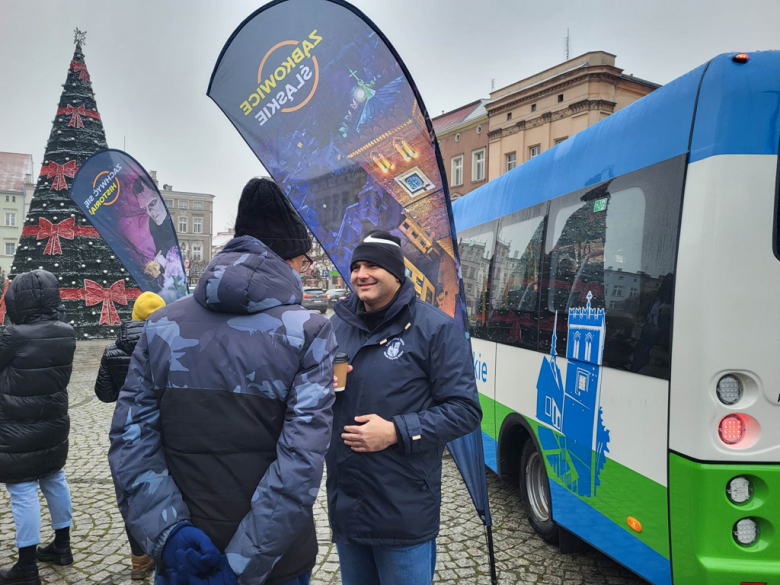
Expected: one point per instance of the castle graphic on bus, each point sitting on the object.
(574, 440)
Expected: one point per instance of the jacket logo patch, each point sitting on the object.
(394, 351)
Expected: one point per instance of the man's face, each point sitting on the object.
(152, 206)
(373, 285)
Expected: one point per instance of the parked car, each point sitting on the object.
(335, 294)
(314, 299)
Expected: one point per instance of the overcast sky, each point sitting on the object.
(151, 60)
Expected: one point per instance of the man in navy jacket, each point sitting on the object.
(411, 391)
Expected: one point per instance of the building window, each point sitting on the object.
(170, 203)
(479, 129)
(509, 116)
(559, 140)
(197, 251)
(197, 225)
(184, 204)
(533, 151)
(511, 161)
(533, 107)
(10, 219)
(457, 170)
(7, 198)
(478, 165)
(457, 137)
(197, 205)
(560, 97)
(10, 248)
(182, 224)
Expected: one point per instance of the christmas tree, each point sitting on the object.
(96, 290)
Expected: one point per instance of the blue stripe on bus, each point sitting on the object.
(490, 446)
(577, 516)
(738, 113)
(739, 107)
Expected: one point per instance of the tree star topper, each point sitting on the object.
(79, 37)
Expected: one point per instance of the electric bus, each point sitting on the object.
(623, 293)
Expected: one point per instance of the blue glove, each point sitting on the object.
(223, 576)
(188, 551)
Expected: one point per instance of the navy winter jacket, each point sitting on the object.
(416, 370)
(225, 417)
(116, 360)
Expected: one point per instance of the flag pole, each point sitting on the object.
(491, 555)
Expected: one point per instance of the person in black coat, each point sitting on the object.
(36, 360)
(111, 378)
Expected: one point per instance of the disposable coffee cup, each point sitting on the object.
(340, 365)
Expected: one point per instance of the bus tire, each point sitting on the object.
(535, 489)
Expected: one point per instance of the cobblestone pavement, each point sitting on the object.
(102, 554)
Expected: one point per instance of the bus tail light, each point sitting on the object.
(729, 390)
(739, 490)
(731, 429)
(746, 532)
(740, 58)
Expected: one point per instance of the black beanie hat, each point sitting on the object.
(266, 214)
(383, 249)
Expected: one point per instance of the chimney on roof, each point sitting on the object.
(167, 187)
(153, 174)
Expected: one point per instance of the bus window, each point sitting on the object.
(596, 255)
(516, 266)
(475, 248)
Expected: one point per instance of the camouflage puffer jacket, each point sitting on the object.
(225, 417)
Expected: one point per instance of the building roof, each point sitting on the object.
(14, 167)
(553, 75)
(459, 116)
(222, 238)
(185, 194)
(629, 77)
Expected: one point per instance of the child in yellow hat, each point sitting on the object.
(111, 378)
(145, 305)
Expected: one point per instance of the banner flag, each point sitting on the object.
(327, 105)
(123, 204)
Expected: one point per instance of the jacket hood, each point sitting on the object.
(32, 297)
(247, 277)
(129, 334)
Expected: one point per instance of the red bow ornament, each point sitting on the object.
(2, 302)
(75, 115)
(81, 69)
(59, 172)
(108, 296)
(54, 231)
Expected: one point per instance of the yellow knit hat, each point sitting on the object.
(145, 305)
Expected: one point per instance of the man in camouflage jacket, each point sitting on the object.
(223, 423)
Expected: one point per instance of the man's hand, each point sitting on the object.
(373, 434)
(336, 378)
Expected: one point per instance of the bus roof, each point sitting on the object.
(738, 113)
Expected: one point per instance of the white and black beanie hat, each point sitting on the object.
(383, 249)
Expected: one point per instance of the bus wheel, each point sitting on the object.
(535, 489)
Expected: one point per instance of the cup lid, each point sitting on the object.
(342, 357)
